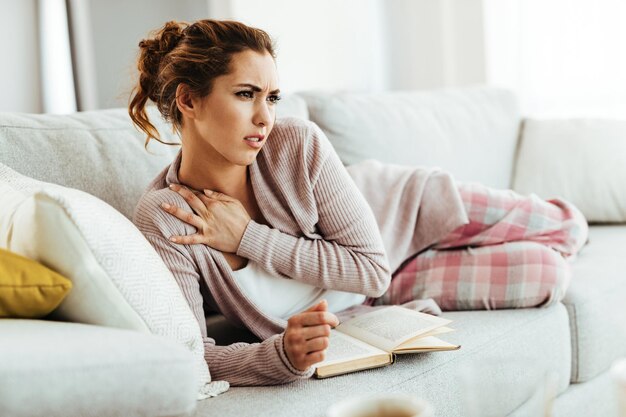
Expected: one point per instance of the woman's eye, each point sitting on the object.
(274, 98)
(246, 94)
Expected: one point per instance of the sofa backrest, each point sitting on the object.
(99, 152)
(470, 132)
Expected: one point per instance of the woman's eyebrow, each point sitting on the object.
(256, 88)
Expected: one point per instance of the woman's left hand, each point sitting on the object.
(220, 220)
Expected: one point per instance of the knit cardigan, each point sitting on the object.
(321, 231)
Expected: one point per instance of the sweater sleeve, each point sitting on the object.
(262, 363)
(350, 254)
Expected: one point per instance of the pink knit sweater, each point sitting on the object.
(322, 231)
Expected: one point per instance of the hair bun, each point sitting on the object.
(162, 42)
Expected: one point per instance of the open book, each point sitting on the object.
(372, 340)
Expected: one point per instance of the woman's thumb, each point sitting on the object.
(321, 306)
(217, 195)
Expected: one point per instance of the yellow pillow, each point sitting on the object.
(27, 288)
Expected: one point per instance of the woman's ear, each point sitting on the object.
(184, 101)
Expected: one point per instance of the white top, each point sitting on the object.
(284, 297)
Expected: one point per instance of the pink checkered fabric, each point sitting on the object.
(511, 254)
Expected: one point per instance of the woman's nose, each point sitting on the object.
(263, 116)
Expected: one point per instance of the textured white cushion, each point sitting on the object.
(582, 161)
(472, 133)
(118, 279)
(99, 152)
(53, 369)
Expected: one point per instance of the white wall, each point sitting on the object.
(434, 44)
(322, 44)
(118, 26)
(357, 45)
(369, 45)
(563, 58)
(463, 29)
(19, 72)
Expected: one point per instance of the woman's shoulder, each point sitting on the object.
(149, 217)
(295, 123)
(298, 129)
(293, 137)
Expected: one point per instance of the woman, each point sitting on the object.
(259, 220)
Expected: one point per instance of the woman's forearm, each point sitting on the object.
(243, 364)
(318, 262)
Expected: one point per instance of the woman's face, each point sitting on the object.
(239, 110)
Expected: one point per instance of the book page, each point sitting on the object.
(343, 347)
(389, 327)
(437, 331)
(425, 344)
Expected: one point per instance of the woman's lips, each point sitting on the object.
(254, 141)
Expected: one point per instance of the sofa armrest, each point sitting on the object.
(57, 368)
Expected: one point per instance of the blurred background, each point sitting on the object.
(563, 58)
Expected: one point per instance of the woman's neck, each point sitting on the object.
(201, 171)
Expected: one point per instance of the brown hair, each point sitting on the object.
(193, 54)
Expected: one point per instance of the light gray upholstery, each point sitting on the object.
(597, 397)
(596, 303)
(471, 132)
(98, 152)
(539, 335)
(292, 105)
(52, 369)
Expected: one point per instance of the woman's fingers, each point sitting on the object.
(198, 205)
(315, 357)
(186, 216)
(322, 305)
(304, 353)
(319, 343)
(218, 196)
(312, 332)
(314, 318)
(187, 240)
(307, 336)
(205, 200)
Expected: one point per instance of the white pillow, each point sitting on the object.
(118, 279)
(582, 161)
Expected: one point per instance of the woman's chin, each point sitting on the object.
(245, 161)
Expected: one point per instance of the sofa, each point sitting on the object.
(80, 366)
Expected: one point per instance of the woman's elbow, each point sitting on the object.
(381, 278)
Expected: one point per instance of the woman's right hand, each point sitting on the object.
(306, 336)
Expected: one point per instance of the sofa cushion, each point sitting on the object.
(540, 335)
(596, 303)
(27, 288)
(471, 132)
(118, 279)
(99, 152)
(581, 161)
(593, 398)
(292, 105)
(52, 369)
